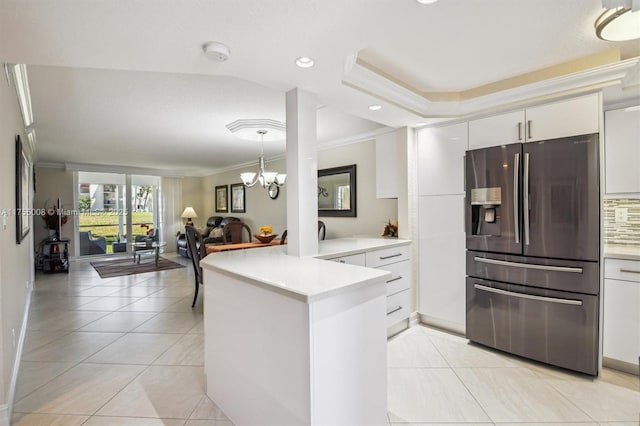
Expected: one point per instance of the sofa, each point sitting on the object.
(90, 245)
(213, 223)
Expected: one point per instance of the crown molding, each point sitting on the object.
(359, 77)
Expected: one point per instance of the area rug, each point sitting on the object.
(126, 266)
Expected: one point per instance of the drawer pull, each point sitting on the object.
(390, 256)
(399, 277)
(528, 265)
(529, 296)
(629, 271)
(396, 309)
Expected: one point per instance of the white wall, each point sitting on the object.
(192, 191)
(373, 213)
(51, 184)
(16, 260)
(261, 210)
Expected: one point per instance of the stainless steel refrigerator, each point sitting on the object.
(532, 234)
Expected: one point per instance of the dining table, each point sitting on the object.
(239, 246)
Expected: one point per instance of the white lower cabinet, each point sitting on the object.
(397, 261)
(621, 313)
(398, 307)
(442, 262)
(352, 259)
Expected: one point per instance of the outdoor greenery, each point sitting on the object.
(84, 203)
(106, 225)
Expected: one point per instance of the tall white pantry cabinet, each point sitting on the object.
(441, 151)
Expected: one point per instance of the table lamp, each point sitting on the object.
(189, 213)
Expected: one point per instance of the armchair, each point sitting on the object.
(214, 222)
(90, 245)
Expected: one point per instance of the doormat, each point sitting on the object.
(126, 266)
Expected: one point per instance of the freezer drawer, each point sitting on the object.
(554, 274)
(554, 327)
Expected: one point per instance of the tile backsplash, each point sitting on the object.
(622, 232)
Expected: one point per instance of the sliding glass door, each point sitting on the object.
(104, 213)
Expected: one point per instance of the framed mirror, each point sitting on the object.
(337, 191)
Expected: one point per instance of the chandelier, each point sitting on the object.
(263, 177)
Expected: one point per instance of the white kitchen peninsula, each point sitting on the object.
(297, 341)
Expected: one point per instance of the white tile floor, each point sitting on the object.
(129, 351)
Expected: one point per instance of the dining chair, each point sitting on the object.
(322, 232)
(197, 251)
(232, 232)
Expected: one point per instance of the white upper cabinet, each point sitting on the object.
(622, 151)
(571, 117)
(441, 159)
(577, 116)
(387, 165)
(501, 129)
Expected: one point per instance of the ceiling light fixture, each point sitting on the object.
(266, 179)
(620, 21)
(375, 107)
(426, 1)
(218, 51)
(305, 62)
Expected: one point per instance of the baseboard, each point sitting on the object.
(4, 415)
(16, 362)
(625, 367)
(414, 319)
(443, 324)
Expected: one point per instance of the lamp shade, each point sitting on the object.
(188, 213)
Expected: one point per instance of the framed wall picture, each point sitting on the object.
(222, 197)
(23, 181)
(238, 198)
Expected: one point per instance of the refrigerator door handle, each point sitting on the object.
(528, 265)
(525, 194)
(516, 215)
(529, 296)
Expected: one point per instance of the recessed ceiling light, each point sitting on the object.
(426, 1)
(305, 62)
(375, 107)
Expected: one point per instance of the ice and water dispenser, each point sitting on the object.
(485, 211)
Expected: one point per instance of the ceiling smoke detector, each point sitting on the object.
(218, 51)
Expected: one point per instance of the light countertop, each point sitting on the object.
(348, 246)
(304, 278)
(618, 251)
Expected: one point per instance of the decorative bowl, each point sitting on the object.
(265, 238)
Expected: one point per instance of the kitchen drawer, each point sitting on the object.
(400, 279)
(398, 307)
(353, 259)
(620, 269)
(387, 256)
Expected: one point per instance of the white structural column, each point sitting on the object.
(302, 174)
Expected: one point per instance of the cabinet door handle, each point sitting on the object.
(519, 130)
(395, 309)
(630, 271)
(529, 129)
(399, 277)
(390, 256)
